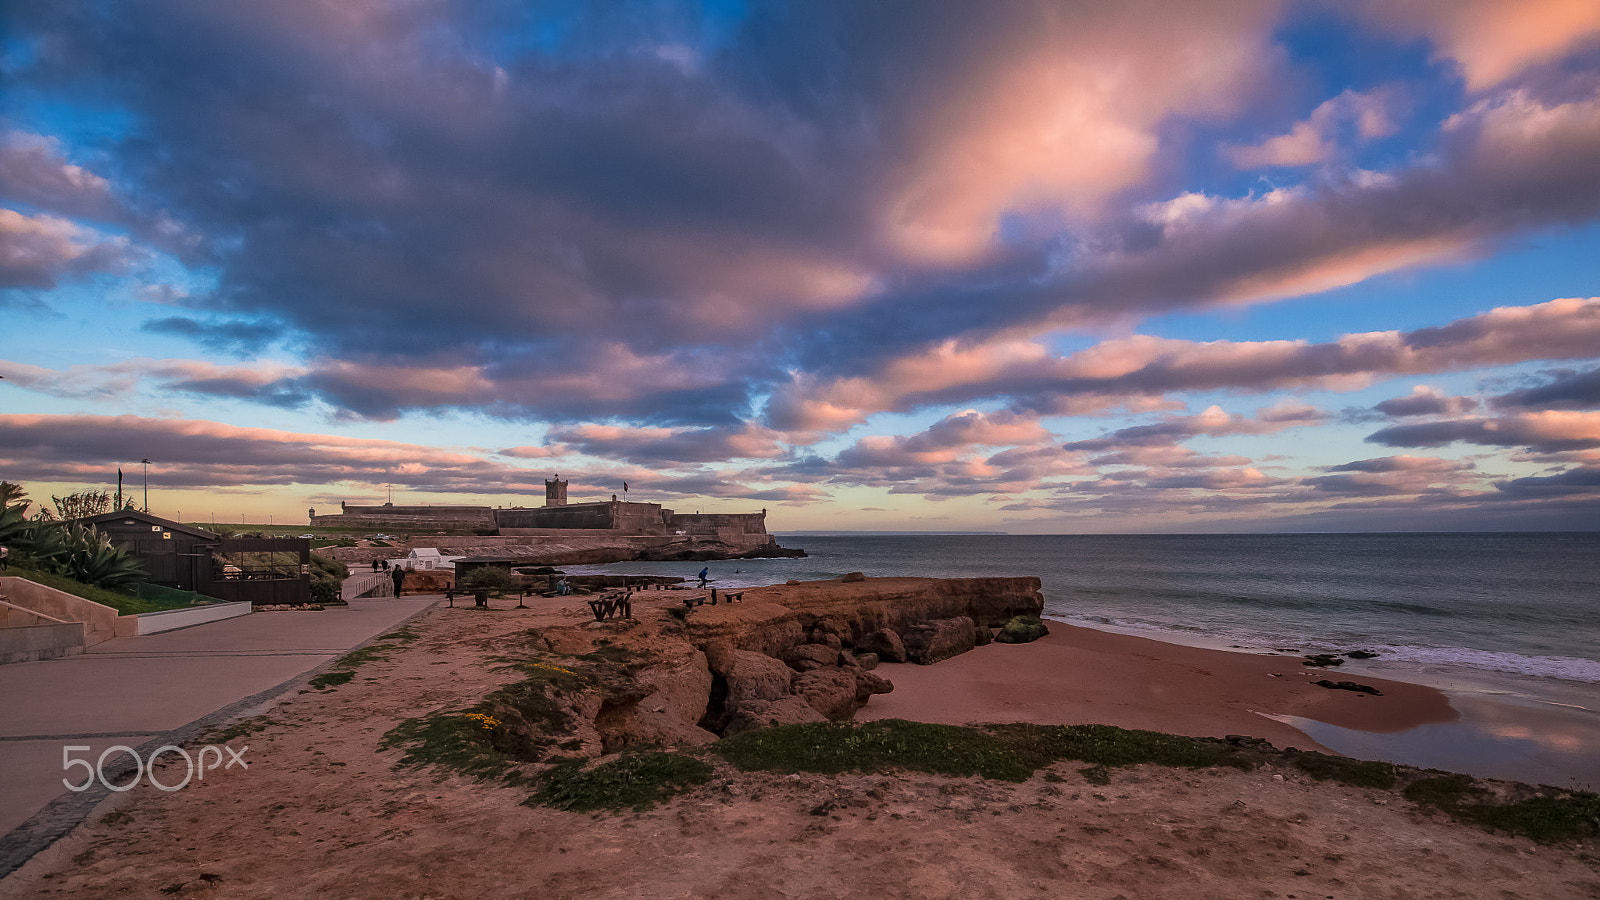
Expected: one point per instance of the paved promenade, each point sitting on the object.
(130, 691)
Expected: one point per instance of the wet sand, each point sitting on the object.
(1080, 676)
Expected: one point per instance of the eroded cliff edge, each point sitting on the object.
(801, 652)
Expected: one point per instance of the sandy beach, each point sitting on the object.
(1080, 676)
(327, 812)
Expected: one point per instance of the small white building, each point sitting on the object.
(425, 559)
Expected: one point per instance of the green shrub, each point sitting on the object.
(489, 578)
(631, 781)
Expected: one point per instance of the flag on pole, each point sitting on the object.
(624, 487)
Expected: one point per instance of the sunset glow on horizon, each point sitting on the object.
(1036, 267)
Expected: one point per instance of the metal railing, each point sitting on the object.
(367, 584)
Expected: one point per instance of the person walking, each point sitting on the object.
(399, 576)
(703, 574)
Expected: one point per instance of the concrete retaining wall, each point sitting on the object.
(100, 621)
(27, 643)
(169, 619)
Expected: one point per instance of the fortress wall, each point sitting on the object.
(401, 522)
(409, 518)
(577, 515)
(454, 512)
(634, 518)
(717, 523)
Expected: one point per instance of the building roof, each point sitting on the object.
(143, 518)
(423, 553)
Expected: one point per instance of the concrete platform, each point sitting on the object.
(128, 691)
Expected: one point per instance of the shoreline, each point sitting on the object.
(1082, 675)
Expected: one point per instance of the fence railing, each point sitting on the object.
(367, 584)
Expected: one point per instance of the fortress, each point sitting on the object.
(648, 526)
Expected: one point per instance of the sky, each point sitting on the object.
(1036, 267)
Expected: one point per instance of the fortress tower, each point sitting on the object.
(555, 492)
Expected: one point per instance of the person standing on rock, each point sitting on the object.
(399, 576)
(703, 573)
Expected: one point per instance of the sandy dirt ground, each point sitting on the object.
(323, 812)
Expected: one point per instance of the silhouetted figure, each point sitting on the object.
(399, 577)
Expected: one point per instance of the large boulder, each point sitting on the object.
(868, 684)
(757, 676)
(831, 692)
(940, 639)
(839, 693)
(883, 643)
(806, 657)
(754, 714)
(1022, 630)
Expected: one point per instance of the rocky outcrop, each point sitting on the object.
(806, 657)
(774, 619)
(787, 654)
(789, 710)
(756, 676)
(932, 642)
(1022, 630)
(838, 693)
(884, 644)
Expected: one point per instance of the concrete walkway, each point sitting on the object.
(130, 691)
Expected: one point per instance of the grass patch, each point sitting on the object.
(1001, 752)
(459, 742)
(631, 781)
(1109, 746)
(239, 729)
(344, 668)
(531, 720)
(375, 652)
(331, 679)
(1357, 772)
(830, 748)
(124, 604)
(1572, 816)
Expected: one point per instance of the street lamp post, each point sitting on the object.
(146, 463)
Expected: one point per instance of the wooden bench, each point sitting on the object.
(612, 605)
(450, 594)
(729, 597)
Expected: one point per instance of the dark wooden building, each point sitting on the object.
(259, 570)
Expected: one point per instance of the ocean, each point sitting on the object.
(1490, 618)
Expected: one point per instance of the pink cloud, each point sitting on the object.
(33, 170)
(1426, 401)
(204, 454)
(1140, 369)
(38, 251)
(1544, 431)
(1060, 111)
(1492, 40)
(1316, 139)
